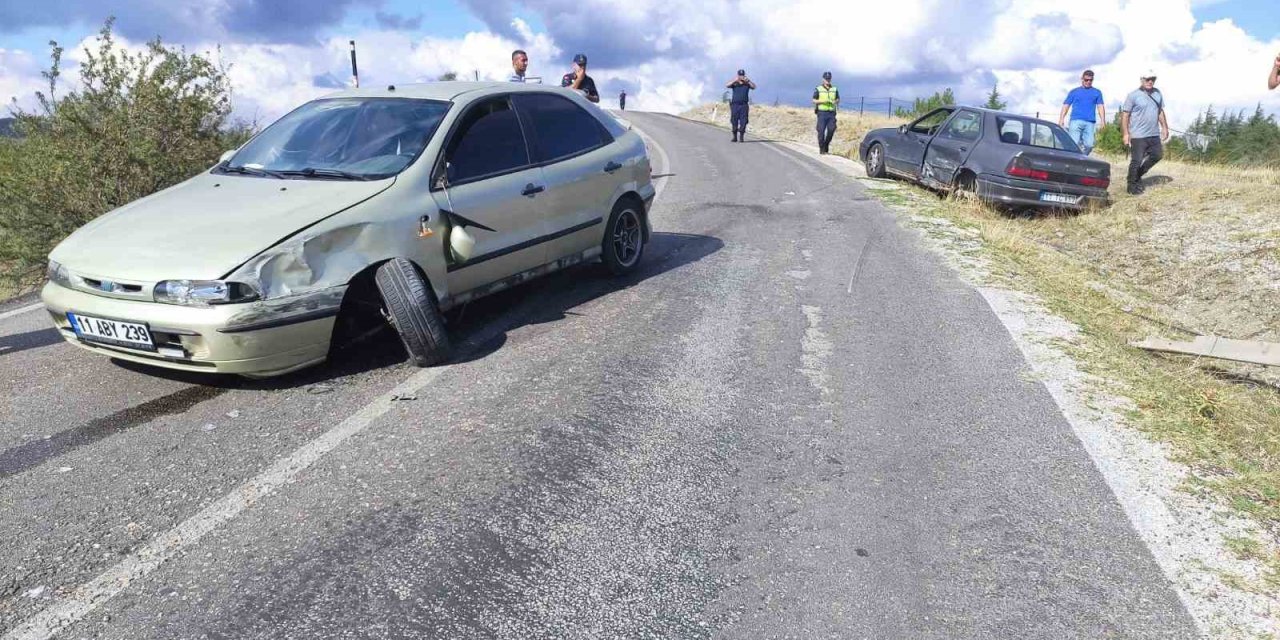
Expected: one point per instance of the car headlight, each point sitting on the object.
(203, 293)
(57, 274)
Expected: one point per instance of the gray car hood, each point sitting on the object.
(204, 227)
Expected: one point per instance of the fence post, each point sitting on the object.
(890, 107)
(862, 102)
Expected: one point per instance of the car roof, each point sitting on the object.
(449, 91)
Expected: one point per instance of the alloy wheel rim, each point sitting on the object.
(627, 238)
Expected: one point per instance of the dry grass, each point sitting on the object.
(798, 125)
(1198, 253)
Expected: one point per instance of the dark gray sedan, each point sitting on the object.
(1003, 158)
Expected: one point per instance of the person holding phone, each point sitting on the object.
(578, 80)
(1273, 80)
(740, 104)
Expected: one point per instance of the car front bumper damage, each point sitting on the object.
(260, 338)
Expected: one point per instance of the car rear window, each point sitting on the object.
(1033, 133)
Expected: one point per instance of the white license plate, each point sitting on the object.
(1063, 198)
(113, 332)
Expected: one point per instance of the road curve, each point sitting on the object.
(793, 422)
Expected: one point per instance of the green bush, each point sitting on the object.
(135, 124)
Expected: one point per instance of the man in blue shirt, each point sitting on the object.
(740, 104)
(1088, 112)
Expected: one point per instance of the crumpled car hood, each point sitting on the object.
(204, 227)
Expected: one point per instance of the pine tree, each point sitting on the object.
(993, 99)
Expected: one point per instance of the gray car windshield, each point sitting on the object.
(341, 138)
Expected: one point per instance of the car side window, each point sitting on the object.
(966, 126)
(560, 128)
(929, 124)
(487, 142)
(1011, 131)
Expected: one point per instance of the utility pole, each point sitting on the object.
(355, 73)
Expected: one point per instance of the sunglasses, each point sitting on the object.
(1152, 79)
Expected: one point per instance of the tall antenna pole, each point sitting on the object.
(355, 73)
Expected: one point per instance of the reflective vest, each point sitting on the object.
(827, 98)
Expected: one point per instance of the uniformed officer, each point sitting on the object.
(826, 99)
(740, 104)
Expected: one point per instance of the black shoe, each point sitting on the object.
(1135, 189)
(735, 138)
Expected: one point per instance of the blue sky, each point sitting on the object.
(669, 56)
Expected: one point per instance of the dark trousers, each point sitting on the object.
(1146, 153)
(738, 114)
(622, 104)
(826, 130)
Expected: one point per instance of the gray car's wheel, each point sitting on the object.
(875, 161)
(966, 186)
(624, 237)
(411, 307)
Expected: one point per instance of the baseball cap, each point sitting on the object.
(580, 59)
(1149, 73)
(742, 72)
(826, 75)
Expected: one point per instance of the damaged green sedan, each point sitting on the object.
(363, 206)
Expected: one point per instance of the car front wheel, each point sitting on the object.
(623, 238)
(411, 307)
(875, 161)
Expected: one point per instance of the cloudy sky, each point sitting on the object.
(669, 56)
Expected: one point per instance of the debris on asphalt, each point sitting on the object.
(234, 413)
(320, 388)
(64, 469)
(209, 427)
(405, 397)
(36, 592)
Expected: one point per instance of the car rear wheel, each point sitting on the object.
(875, 161)
(624, 238)
(410, 305)
(966, 186)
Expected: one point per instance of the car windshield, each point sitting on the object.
(1035, 134)
(342, 138)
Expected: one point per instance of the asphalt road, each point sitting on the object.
(794, 422)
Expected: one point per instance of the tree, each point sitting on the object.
(136, 123)
(925, 105)
(993, 99)
(448, 77)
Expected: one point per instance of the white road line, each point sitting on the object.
(21, 310)
(662, 153)
(154, 554)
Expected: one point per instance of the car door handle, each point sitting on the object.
(611, 167)
(532, 190)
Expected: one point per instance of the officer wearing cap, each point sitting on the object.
(826, 99)
(740, 104)
(579, 80)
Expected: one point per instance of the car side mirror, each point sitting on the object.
(226, 155)
(902, 128)
(442, 180)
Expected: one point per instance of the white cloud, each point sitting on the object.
(669, 57)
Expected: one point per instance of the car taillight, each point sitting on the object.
(1019, 168)
(1101, 183)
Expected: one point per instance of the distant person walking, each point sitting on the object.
(519, 64)
(826, 100)
(1273, 80)
(622, 100)
(1145, 129)
(740, 104)
(1088, 112)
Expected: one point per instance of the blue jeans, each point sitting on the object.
(1081, 131)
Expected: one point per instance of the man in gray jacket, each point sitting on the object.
(1145, 129)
